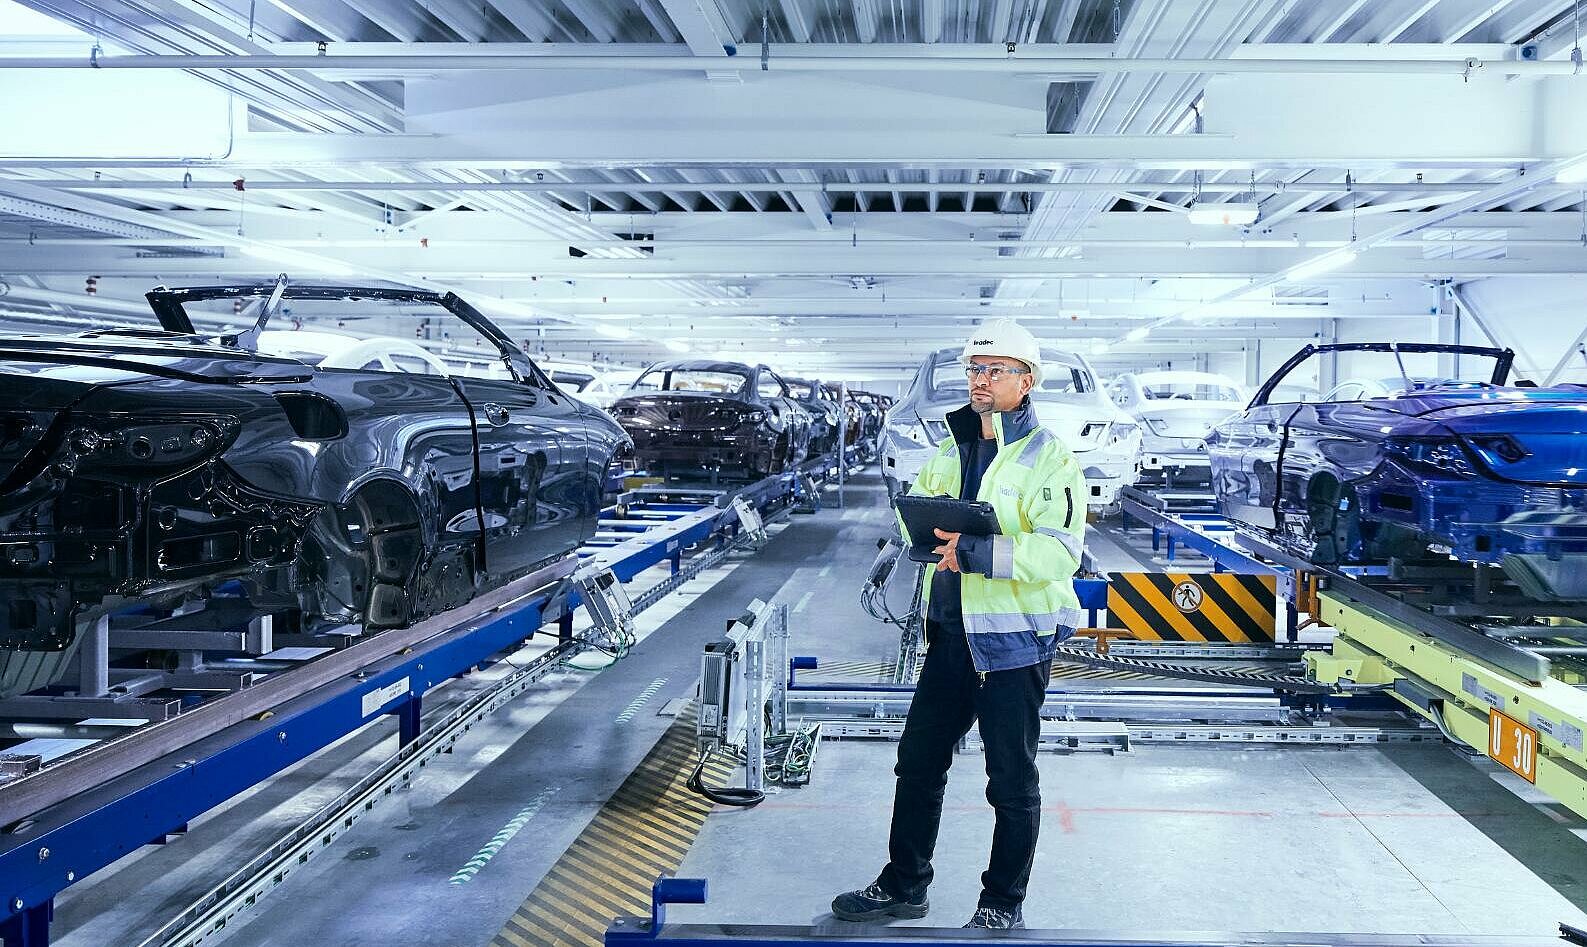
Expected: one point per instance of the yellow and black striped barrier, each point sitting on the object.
(642, 831)
(1203, 606)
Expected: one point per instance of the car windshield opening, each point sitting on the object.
(693, 379)
(1364, 375)
(357, 333)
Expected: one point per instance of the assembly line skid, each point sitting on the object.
(67, 817)
(1496, 673)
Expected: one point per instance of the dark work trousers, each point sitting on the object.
(949, 697)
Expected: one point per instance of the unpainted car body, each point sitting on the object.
(1464, 469)
(701, 417)
(146, 465)
(826, 417)
(1105, 440)
(1175, 410)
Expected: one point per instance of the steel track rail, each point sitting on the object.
(221, 905)
(96, 765)
(1527, 665)
(218, 908)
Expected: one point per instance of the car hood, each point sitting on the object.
(1438, 403)
(38, 362)
(1530, 436)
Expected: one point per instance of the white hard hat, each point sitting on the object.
(1009, 339)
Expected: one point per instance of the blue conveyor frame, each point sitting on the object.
(62, 845)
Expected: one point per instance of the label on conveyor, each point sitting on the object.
(1470, 684)
(381, 696)
(1569, 734)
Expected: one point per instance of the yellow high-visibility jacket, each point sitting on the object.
(1016, 614)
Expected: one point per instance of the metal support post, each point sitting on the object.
(565, 627)
(31, 928)
(755, 720)
(676, 562)
(778, 657)
(409, 721)
(843, 434)
(93, 659)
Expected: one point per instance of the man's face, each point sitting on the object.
(1013, 382)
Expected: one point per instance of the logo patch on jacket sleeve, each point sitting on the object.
(1046, 493)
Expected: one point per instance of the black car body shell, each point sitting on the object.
(826, 416)
(751, 433)
(140, 465)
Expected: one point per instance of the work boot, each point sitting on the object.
(997, 919)
(874, 904)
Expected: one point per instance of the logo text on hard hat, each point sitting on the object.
(982, 342)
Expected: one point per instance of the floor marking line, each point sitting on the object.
(498, 841)
(803, 601)
(644, 698)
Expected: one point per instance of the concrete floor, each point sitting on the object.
(1182, 838)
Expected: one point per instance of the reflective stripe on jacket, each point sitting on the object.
(1015, 616)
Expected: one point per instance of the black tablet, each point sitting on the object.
(921, 515)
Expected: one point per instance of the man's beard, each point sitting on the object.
(983, 407)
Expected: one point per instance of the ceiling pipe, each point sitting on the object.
(1030, 65)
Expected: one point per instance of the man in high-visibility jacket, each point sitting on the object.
(996, 607)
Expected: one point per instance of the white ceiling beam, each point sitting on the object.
(657, 18)
(334, 21)
(1400, 20)
(594, 18)
(1482, 12)
(399, 263)
(1522, 24)
(531, 19)
(1331, 27)
(460, 17)
(817, 207)
(932, 16)
(794, 15)
(402, 23)
(867, 17)
(706, 32)
(1064, 26)
(55, 214)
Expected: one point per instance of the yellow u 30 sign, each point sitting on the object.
(1513, 745)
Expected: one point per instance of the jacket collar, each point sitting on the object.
(1007, 426)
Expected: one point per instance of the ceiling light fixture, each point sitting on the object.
(1326, 263)
(614, 332)
(1232, 214)
(1137, 334)
(675, 345)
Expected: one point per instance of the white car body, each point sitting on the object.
(335, 350)
(591, 384)
(1104, 439)
(1175, 411)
